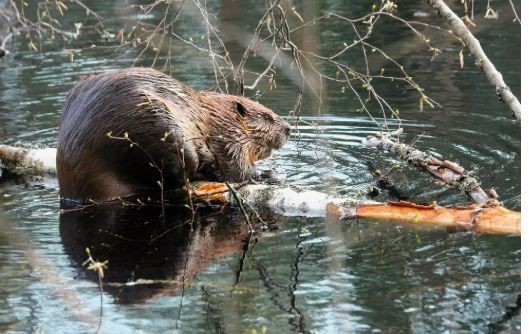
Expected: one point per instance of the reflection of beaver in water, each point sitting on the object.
(163, 125)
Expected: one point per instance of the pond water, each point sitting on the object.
(204, 273)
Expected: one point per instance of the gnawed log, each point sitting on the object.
(445, 172)
(489, 217)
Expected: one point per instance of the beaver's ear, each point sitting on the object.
(240, 109)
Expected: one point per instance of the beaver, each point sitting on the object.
(135, 130)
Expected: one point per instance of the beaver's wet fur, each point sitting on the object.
(119, 129)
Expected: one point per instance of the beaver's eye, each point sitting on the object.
(240, 109)
(266, 117)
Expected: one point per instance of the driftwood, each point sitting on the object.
(445, 172)
(487, 217)
(493, 75)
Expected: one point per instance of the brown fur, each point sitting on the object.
(186, 133)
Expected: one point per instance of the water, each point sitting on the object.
(304, 274)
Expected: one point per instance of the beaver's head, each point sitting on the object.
(239, 132)
(264, 129)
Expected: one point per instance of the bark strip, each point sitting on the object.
(493, 75)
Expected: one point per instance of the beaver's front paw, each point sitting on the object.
(269, 176)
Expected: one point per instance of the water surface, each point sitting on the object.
(302, 275)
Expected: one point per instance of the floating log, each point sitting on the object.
(489, 217)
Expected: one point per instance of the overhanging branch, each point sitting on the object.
(493, 75)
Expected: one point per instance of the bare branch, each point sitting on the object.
(493, 75)
(445, 172)
(516, 17)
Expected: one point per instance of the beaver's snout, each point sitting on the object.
(287, 129)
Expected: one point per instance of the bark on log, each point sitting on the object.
(493, 75)
(446, 172)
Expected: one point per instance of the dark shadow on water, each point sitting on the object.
(139, 245)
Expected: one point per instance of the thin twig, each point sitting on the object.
(239, 203)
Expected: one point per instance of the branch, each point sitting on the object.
(445, 172)
(494, 76)
(49, 273)
(516, 17)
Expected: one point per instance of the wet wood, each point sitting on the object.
(446, 173)
(489, 217)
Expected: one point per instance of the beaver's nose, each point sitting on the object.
(287, 128)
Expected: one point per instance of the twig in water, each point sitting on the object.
(516, 17)
(99, 268)
(239, 203)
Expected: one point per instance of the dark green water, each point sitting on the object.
(306, 274)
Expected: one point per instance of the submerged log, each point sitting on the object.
(487, 217)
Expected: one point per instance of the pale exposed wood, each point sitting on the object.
(491, 218)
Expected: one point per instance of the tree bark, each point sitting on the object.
(28, 161)
(493, 75)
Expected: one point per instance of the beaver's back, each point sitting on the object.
(136, 104)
